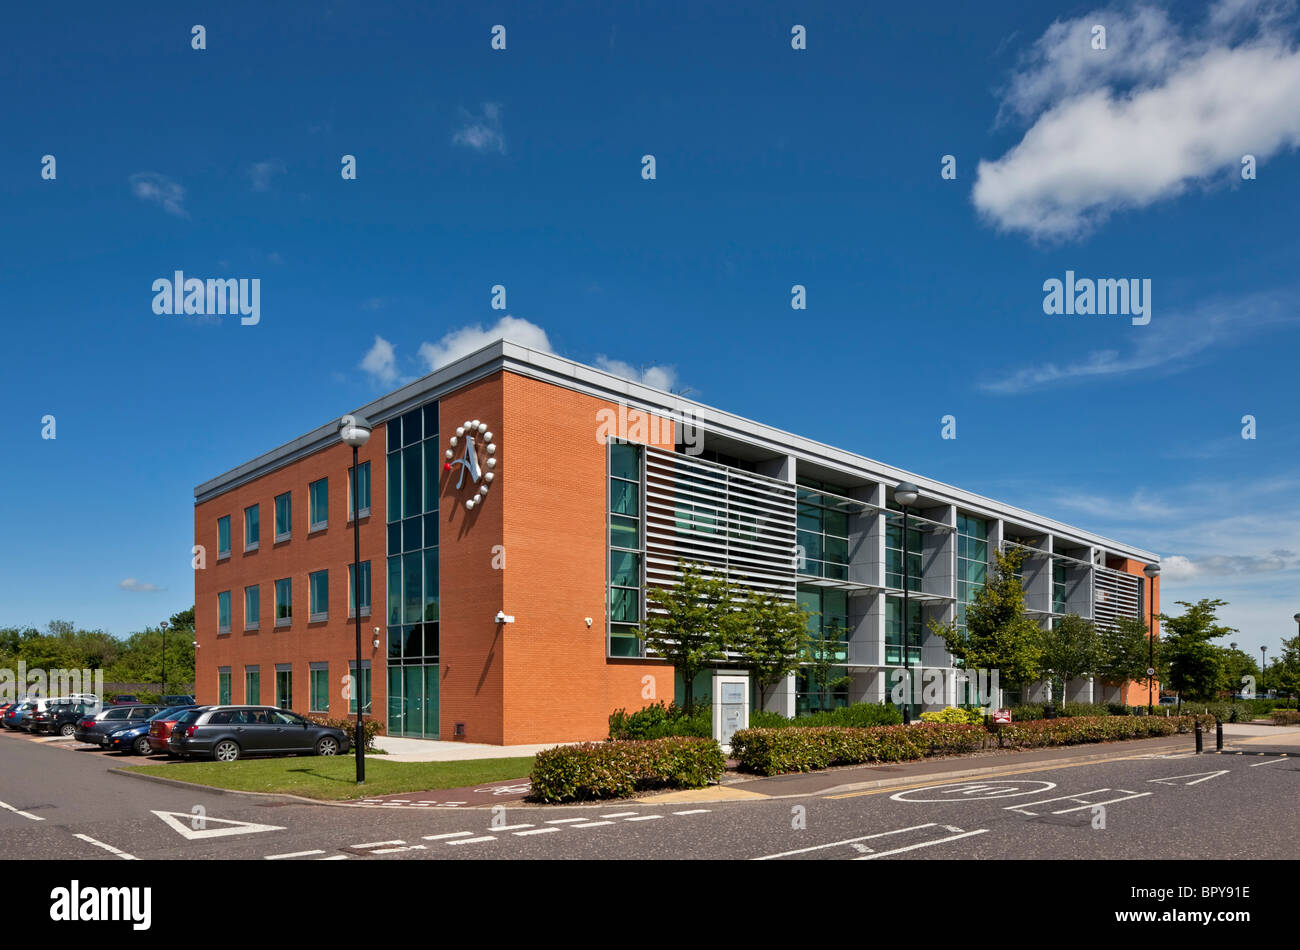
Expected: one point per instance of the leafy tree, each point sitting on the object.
(1126, 652)
(770, 636)
(999, 634)
(821, 652)
(1195, 664)
(1072, 649)
(1236, 665)
(691, 624)
(1287, 676)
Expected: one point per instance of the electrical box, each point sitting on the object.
(730, 706)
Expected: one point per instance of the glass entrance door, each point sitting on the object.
(413, 701)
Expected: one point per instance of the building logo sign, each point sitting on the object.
(471, 435)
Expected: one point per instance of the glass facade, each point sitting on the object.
(823, 536)
(284, 687)
(318, 504)
(283, 602)
(319, 687)
(894, 553)
(828, 627)
(223, 612)
(626, 548)
(223, 686)
(361, 478)
(283, 516)
(414, 466)
(252, 528)
(894, 632)
(223, 536)
(252, 686)
(972, 561)
(1058, 587)
(360, 687)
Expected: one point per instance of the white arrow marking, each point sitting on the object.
(173, 820)
(1169, 780)
(923, 844)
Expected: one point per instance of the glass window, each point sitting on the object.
(412, 481)
(431, 421)
(624, 532)
(625, 595)
(283, 602)
(318, 604)
(431, 584)
(360, 687)
(252, 607)
(223, 686)
(283, 515)
(624, 569)
(894, 555)
(223, 612)
(223, 536)
(412, 594)
(411, 428)
(432, 469)
(625, 461)
(362, 479)
(894, 632)
(394, 429)
(822, 532)
(252, 529)
(394, 590)
(412, 536)
(394, 486)
(320, 687)
(365, 589)
(252, 685)
(318, 504)
(284, 689)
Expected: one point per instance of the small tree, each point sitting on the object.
(691, 624)
(999, 634)
(1072, 649)
(820, 659)
(1195, 665)
(770, 637)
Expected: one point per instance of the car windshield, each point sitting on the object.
(189, 716)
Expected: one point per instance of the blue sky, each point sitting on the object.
(774, 167)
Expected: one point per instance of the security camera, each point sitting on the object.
(503, 617)
(587, 621)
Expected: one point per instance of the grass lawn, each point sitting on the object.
(334, 777)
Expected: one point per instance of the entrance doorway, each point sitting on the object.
(413, 701)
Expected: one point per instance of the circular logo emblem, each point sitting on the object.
(468, 439)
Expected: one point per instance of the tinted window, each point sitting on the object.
(286, 719)
(116, 714)
(189, 717)
(220, 718)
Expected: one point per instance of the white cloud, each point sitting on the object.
(160, 190)
(467, 339)
(1171, 342)
(658, 377)
(1154, 114)
(261, 173)
(380, 362)
(483, 132)
(137, 587)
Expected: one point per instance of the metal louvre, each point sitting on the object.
(727, 519)
(1115, 594)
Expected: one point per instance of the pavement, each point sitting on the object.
(435, 750)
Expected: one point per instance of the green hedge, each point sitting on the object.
(658, 721)
(778, 751)
(371, 727)
(1286, 717)
(617, 769)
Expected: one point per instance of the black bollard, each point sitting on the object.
(1218, 735)
(1198, 736)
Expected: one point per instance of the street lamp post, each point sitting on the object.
(163, 626)
(1296, 618)
(1152, 571)
(355, 431)
(906, 494)
(1262, 664)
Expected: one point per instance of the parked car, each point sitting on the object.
(17, 713)
(178, 701)
(94, 729)
(133, 734)
(225, 733)
(160, 727)
(59, 716)
(1168, 701)
(124, 699)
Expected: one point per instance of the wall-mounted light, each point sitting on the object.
(376, 641)
(503, 617)
(587, 620)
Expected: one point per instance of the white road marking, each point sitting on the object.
(1169, 779)
(192, 827)
(594, 824)
(511, 827)
(450, 834)
(818, 847)
(1111, 801)
(1255, 765)
(473, 840)
(1024, 805)
(693, 811)
(107, 847)
(291, 854)
(537, 831)
(645, 818)
(377, 844)
(17, 811)
(923, 844)
(620, 814)
(334, 857)
(564, 821)
(409, 847)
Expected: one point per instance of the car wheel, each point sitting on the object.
(227, 750)
(327, 745)
(68, 729)
(141, 746)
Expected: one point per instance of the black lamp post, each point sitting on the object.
(1152, 571)
(163, 627)
(905, 494)
(355, 431)
(1262, 664)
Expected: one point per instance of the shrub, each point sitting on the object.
(1081, 729)
(762, 719)
(859, 715)
(1026, 712)
(1085, 709)
(1286, 717)
(954, 714)
(776, 751)
(617, 769)
(658, 721)
(371, 727)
